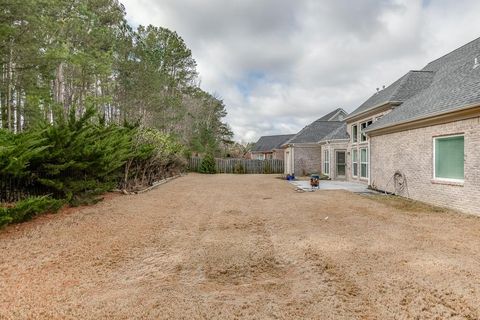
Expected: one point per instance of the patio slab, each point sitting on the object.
(332, 185)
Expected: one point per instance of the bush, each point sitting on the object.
(28, 208)
(208, 164)
(267, 169)
(239, 169)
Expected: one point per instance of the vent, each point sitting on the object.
(476, 64)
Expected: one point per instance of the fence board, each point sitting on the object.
(249, 166)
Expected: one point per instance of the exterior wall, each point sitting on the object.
(278, 154)
(333, 147)
(411, 152)
(359, 145)
(307, 159)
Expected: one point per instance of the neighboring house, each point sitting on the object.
(269, 147)
(303, 152)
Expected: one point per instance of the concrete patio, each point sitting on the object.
(332, 185)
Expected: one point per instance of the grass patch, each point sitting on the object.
(406, 204)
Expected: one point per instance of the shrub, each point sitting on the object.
(208, 164)
(26, 209)
(267, 169)
(238, 168)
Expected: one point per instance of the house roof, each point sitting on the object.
(315, 131)
(269, 143)
(399, 91)
(455, 84)
(337, 134)
(336, 115)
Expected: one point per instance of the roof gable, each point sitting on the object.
(336, 115)
(269, 143)
(455, 84)
(315, 131)
(399, 91)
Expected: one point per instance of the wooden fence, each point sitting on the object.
(241, 165)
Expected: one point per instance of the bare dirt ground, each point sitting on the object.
(242, 247)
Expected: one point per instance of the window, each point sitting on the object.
(363, 126)
(364, 163)
(355, 162)
(354, 133)
(326, 162)
(449, 158)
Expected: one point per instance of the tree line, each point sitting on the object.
(59, 56)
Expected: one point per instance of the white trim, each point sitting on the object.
(440, 179)
(326, 164)
(367, 163)
(353, 163)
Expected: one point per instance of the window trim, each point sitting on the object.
(354, 151)
(355, 136)
(362, 134)
(326, 162)
(362, 163)
(447, 180)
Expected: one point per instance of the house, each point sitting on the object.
(372, 110)
(303, 151)
(269, 147)
(333, 150)
(420, 136)
(433, 138)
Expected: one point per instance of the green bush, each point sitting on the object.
(238, 168)
(267, 169)
(208, 164)
(28, 208)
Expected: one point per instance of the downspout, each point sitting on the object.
(369, 162)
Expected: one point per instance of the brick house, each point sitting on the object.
(269, 147)
(434, 137)
(334, 150)
(372, 110)
(425, 126)
(303, 152)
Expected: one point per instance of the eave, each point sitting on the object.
(462, 113)
(384, 106)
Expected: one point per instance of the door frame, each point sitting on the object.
(337, 176)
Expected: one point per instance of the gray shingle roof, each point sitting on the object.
(315, 131)
(338, 134)
(455, 84)
(399, 91)
(336, 115)
(268, 143)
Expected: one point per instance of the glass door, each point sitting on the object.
(340, 164)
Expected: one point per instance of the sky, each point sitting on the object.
(280, 64)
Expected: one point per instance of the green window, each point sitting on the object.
(364, 163)
(449, 157)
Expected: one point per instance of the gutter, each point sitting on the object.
(359, 115)
(426, 116)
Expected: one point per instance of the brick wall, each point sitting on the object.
(308, 159)
(412, 153)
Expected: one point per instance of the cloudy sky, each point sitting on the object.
(280, 64)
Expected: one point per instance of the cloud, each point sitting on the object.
(280, 64)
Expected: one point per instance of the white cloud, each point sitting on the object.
(279, 64)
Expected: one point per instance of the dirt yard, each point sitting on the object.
(242, 247)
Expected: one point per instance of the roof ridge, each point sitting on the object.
(457, 49)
